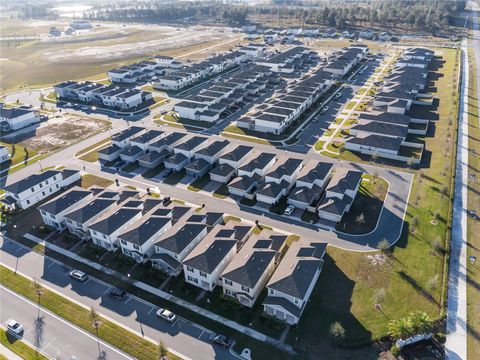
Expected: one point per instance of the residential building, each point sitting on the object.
(249, 271)
(204, 265)
(4, 155)
(293, 281)
(34, 188)
(15, 118)
(53, 211)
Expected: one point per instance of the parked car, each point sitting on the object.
(289, 210)
(338, 95)
(118, 294)
(163, 112)
(324, 110)
(221, 340)
(14, 326)
(166, 315)
(78, 275)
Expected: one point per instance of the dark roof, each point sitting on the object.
(297, 269)
(111, 149)
(319, 171)
(11, 113)
(222, 170)
(191, 143)
(143, 231)
(259, 162)
(177, 242)
(238, 153)
(168, 140)
(214, 148)
(207, 258)
(125, 134)
(87, 212)
(253, 268)
(378, 141)
(286, 168)
(112, 222)
(64, 201)
(30, 181)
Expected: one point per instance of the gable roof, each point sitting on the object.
(30, 181)
(65, 200)
(144, 229)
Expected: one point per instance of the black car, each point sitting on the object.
(221, 340)
(118, 294)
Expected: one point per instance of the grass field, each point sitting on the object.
(108, 331)
(416, 268)
(18, 154)
(90, 180)
(19, 347)
(55, 60)
(473, 226)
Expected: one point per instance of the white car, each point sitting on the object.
(289, 210)
(14, 326)
(78, 275)
(166, 315)
(338, 95)
(324, 110)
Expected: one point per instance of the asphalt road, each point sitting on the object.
(189, 339)
(48, 332)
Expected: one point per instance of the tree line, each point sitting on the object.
(425, 15)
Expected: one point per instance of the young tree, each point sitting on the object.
(337, 332)
(383, 246)
(432, 283)
(37, 288)
(360, 219)
(421, 322)
(400, 328)
(162, 351)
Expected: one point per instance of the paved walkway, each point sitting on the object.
(166, 296)
(456, 344)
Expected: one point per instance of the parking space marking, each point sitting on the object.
(126, 301)
(49, 265)
(108, 289)
(149, 311)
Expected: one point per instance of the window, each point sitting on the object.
(296, 301)
(41, 186)
(43, 193)
(57, 186)
(136, 247)
(104, 236)
(46, 182)
(228, 282)
(51, 189)
(189, 268)
(123, 242)
(203, 274)
(271, 291)
(246, 289)
(28, 202)
(33, 189)
(192, 279)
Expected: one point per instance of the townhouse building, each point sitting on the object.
(34, 188)
(292, 283)
(16, 118)
(249, 271)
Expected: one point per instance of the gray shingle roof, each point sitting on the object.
(144, 229)
(31, 181)
(112, 222)
(65, 200)
(177, 242)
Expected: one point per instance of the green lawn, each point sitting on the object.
(18, 154)
(473, 226)
(108, 331)
(90, 180)
(91, 156)
(363, 215)
(19, 347)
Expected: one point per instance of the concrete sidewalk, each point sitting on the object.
(166, 296)
(456, 344)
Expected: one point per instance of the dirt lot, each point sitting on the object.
(31, 58)
(59, 132)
